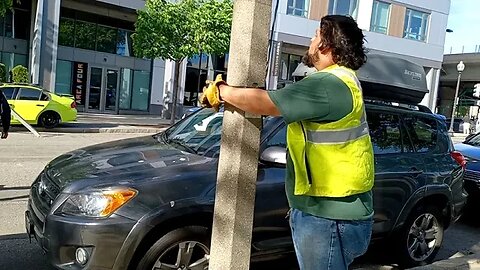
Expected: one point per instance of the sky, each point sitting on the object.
(464, 20)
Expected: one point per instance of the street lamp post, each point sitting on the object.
(460, 69)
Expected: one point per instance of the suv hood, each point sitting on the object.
(130, 159)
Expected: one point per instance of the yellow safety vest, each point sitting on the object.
(333, 159)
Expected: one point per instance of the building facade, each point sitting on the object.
(411, 29)
(84, 48)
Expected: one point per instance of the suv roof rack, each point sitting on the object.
(414, 107)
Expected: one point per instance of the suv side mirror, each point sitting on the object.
(275, 156)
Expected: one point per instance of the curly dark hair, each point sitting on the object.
(342, 35)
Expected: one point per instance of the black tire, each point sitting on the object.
(193, 242)
(49, 119)
(421, 237)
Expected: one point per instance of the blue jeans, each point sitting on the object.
(325, 244)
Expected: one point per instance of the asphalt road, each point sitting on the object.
(22, 157)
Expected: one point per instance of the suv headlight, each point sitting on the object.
(97, 203)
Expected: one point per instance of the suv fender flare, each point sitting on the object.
(417, 197)
(149, 223)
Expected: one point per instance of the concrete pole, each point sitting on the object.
(237, 169)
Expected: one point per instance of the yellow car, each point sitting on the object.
(38, 106)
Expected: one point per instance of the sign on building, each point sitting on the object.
(79, 82)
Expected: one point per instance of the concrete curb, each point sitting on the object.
(126, 129)
(468, 262)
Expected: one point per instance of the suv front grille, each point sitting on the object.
(471, 176)
(44, 192)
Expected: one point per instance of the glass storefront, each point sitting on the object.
(197, 72)
(126, 80)
(140, 90)
(63, 77)
(10, 60)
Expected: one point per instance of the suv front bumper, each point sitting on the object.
(60, 236)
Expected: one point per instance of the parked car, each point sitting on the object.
(470, 149)
(147, 202)
(458, 124)
(38, 106)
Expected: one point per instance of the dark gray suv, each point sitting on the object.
(147, 203)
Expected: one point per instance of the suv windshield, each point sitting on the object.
(198, 133)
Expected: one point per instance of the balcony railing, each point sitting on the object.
(462, 49)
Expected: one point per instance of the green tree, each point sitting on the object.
(20, 74)
(175, 31)
(3, 73)
(4, 6)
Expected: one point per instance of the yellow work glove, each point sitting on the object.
(211, 94)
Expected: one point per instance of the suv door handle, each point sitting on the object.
(415, 171)
(40, 105)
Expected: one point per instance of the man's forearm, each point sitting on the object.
(251, 100)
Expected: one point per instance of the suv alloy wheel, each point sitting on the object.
(186, 248)
(421, 237)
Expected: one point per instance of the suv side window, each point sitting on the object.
(423, 133)
(279, 138)
(9, 92)
(387, 133)
(29, 94)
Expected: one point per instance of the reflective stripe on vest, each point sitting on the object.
(337, 136)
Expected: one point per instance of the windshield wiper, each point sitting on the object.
(182, 144)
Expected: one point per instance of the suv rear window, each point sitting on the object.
(423, 133)
(387, 133)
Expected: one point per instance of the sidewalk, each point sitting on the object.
(107, 123)
(469, 262)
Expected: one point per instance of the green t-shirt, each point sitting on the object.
(320, 97)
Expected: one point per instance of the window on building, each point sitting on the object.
(197, 73)
(106, 39)
(380, 17)
(10, 60)
(81, 30)
(66, 32)
(126, 81)
(85, 35)
(124, 43)
(140, 90)
(288, 64)
(21, 24)
(8, 24)
(298, 8)
(63, 81)
(416, 25)
(343, 7)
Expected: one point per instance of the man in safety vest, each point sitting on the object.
(330, 164)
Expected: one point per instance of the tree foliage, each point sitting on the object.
(20, 74)
(4, 6)
(180, 30)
